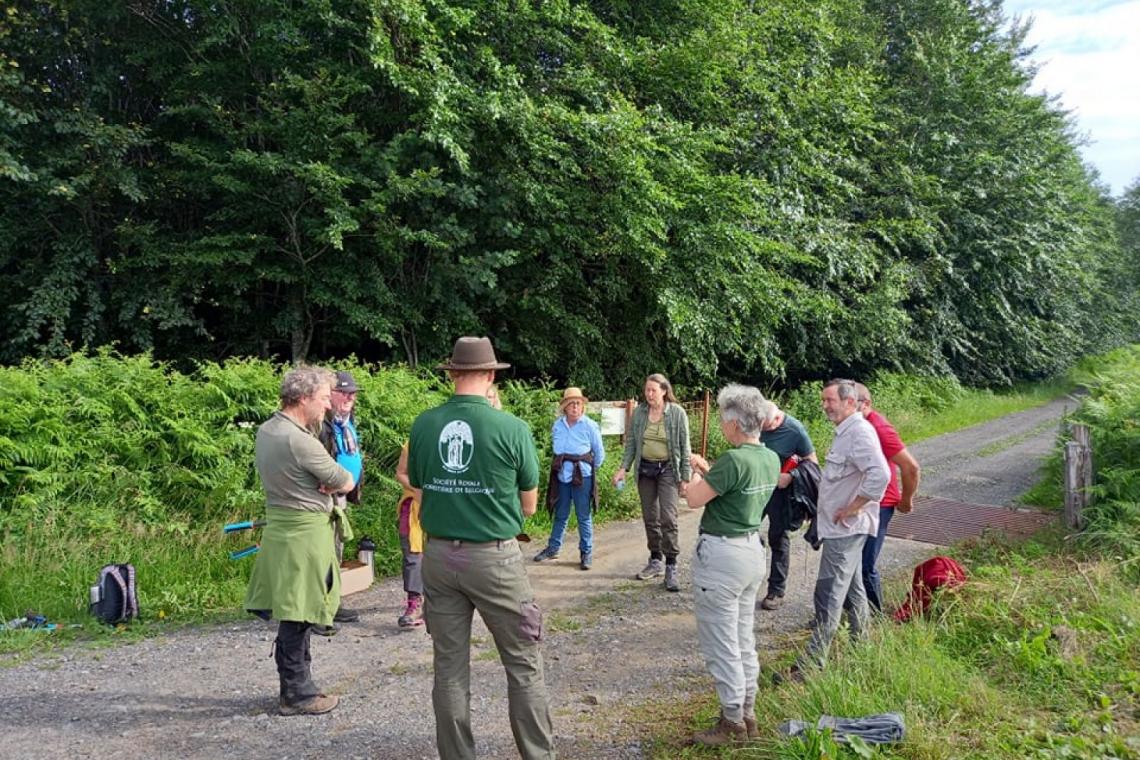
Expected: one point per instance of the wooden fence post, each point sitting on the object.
(629, 406)
(705, 427)
(1078, 476)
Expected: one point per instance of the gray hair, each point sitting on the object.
(744, 405)
(302, 382)
(845, 389)
(773, 411)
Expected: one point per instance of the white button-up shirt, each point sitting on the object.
(854, 467)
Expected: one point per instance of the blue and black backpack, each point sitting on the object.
(114, 598)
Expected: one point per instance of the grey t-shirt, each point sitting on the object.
(293, 465)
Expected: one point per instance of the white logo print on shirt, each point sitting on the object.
(456, 445)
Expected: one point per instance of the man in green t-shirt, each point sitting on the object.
(475, 470)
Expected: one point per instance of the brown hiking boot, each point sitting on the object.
(771, 602)
(318, 705)
(724, 732)
(751, 727)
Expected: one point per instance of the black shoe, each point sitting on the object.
(346, 615)
(325, 630)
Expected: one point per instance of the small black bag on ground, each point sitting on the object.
(114, 598)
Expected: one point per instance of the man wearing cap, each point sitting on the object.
(578, 452)
(476, 472)
(905, 469)
(338, 434)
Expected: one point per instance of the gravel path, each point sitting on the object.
(613, 644)
(994, 462)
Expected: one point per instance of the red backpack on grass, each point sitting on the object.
(934, 573)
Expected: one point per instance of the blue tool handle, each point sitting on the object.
(245, 525)
(245, 552)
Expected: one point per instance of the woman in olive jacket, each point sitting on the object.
(657, 450)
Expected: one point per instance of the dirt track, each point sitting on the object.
(613, 643)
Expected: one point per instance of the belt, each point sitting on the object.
(729, 538)
(463, 542)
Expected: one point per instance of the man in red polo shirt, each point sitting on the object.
(899, 461)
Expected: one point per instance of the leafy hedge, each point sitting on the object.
(702, 187)
(1112, 412)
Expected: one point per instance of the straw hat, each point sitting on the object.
(473, 354)
(572, 394)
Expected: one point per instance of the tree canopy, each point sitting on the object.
(770, 191)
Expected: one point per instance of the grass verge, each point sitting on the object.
(1037, 657)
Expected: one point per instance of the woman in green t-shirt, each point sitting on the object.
(728, 564)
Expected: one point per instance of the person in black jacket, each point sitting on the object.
(788, 437)
(340, 439)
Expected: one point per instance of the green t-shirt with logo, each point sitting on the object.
(743, 479)
(471, 461)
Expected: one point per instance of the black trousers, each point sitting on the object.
(780, 545)
(294, 662)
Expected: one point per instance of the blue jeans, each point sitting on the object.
(871, 582)
(580, 495)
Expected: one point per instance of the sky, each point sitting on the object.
(1089, 55)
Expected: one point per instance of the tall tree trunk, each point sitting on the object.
(302, 328)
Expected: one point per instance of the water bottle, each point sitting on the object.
(620, 484)
(365, 550)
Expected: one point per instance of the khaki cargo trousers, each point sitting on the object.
(459, 578)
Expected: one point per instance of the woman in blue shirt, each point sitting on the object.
(578, 453)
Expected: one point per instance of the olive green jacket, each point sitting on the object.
(297, 559)
(676, 436)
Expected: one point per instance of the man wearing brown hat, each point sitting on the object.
(341, 441)
(578, 453)
(476, 470)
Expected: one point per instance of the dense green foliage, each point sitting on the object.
(1110, 411)
(771, 190)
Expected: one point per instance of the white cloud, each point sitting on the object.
(1089, 55)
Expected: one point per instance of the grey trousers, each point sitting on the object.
(413, 574)
(460, 578)
(838, 587)
(727, 573)
(659, 498)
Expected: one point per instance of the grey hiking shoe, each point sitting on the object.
(546, 554)
(671, 583)
(655, 569)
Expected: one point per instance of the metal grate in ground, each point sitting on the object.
(944, 522)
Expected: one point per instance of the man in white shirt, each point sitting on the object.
(855, 475)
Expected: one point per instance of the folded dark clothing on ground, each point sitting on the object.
(873, 729)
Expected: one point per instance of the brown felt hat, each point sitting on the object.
(572, 394)
(473, 354)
